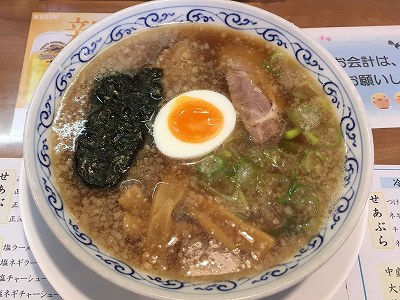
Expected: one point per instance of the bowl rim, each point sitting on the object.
(86, 258)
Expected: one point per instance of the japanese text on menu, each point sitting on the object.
(20, 275)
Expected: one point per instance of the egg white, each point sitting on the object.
(171, 146)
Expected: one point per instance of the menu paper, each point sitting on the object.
(380, 252)
(376, 273)
(20, 275)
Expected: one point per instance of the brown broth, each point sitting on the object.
(194, 57)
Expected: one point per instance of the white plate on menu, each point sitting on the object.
(73, 280)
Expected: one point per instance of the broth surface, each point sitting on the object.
(187, 219)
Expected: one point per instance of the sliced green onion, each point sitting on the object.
(291, 133)
(311, 138)
(244, 171)
(305, 116)
(214, 163)
(333, 137)
(311, 160)
(287, 198)
(211, 165)
(225, 154)
(256, 156)
(273, 157)
(293, 188)
(289, 227)
(237, 196)
(273, 62)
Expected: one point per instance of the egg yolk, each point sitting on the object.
(194, 120)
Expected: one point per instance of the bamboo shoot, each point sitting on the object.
(229, 230)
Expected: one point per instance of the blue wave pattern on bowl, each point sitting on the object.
(206, 14)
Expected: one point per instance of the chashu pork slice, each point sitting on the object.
(260, 116)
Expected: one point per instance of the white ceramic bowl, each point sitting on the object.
(334, 81)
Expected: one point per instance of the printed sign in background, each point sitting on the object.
(371, 58)
(48, 34)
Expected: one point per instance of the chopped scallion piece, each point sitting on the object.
(305, 115)
(211, 165)
(291, 133)
(274, 62)
(311, 137)
(311, 160)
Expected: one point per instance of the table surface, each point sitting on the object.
(15, 19)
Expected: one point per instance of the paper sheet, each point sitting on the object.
(376, 273)
(371, 57)
(20, 275)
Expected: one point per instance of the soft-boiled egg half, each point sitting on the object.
(193, 124)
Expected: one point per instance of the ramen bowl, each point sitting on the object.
(342, 95)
